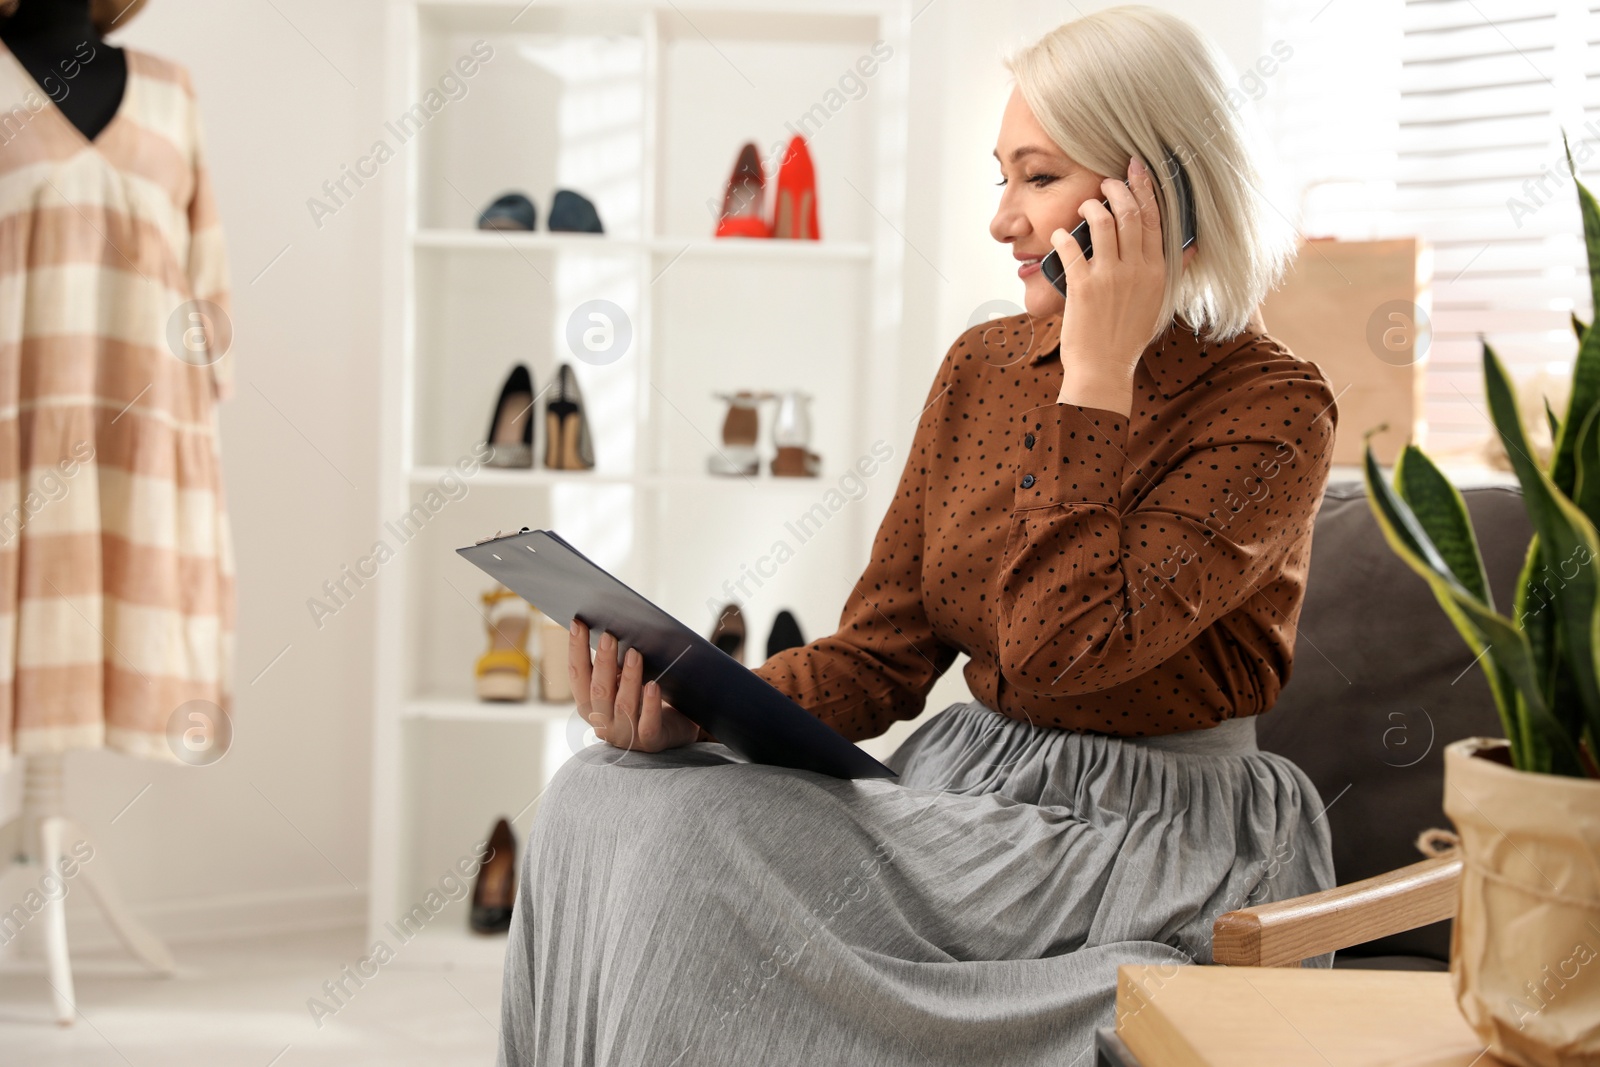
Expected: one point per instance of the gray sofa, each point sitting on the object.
(1381, 683)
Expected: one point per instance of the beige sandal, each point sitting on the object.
(737, 458)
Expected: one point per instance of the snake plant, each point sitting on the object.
(1543, 659)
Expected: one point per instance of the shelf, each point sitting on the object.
(468, 709)
(757, 248)
(521, 18)
(524, 241)
(756, 483)
(521, 478)
(828, 21)
(538, 477)
(664, 247)
(848, 24)
(641, 105)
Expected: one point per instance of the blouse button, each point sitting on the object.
(1027, 440)
(1027, 481)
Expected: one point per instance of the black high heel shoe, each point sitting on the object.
(785, 634)
(567, 446)
(510, 437)
(495, 891)
(729, 633)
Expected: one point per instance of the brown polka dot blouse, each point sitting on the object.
(1123, 575)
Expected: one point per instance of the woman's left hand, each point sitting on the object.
(614, 698)
(1114, 298)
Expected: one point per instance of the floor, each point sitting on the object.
(244, 1003)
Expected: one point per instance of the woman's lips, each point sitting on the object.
(1028, 267)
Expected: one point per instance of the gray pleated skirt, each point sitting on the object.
(688, 908)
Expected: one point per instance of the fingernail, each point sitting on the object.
(608, 642)
(631, 657)
(1136, 166)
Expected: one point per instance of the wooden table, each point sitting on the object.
(1271, 1016)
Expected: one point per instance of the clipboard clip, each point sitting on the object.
(497, 535)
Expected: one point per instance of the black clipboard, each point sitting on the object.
(713, 689)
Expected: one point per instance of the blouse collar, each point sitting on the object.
(1175, 359)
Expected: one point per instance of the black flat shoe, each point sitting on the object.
(510, 437)
(567, 446)
(510, 211)
(495, 890)
(572, 213)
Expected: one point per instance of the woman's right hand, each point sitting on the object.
(615, 700)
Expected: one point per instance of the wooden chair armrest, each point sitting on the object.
(1284, 933)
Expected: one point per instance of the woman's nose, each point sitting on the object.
(1008, 223)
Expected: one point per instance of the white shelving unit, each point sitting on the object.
(660, 246)
(642, 107)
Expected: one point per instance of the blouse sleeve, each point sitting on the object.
(208, 265)
(1092, 595)
(881, 662)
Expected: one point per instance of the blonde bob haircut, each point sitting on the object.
(1136, 81)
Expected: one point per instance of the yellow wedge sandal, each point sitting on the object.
(503, 670)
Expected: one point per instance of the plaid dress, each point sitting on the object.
(116, 569)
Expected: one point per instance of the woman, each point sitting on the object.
(1108, 507)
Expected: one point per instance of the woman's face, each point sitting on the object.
(1041, 191)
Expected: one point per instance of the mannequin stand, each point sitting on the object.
(38, 840)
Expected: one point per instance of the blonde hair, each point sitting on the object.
(1137, 81)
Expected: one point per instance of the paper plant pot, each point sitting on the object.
(1525, 953)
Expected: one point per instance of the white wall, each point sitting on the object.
(292, 90)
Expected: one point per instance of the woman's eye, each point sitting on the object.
(1039, 180)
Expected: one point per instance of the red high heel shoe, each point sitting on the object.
(743, 207)
(794, 211)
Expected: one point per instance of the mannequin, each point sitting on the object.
(58, 44)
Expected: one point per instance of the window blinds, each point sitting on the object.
(1485, 89)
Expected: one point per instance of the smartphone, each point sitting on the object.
(1052, 266)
